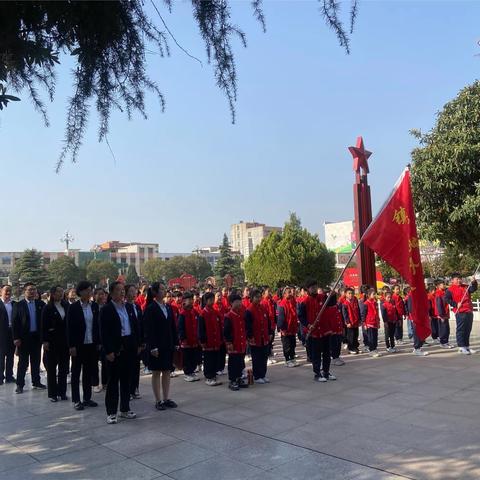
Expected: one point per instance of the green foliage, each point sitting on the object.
(63, 272)
(154, 270)
(446, 174)
(228, 264)
(132, 275)
(386, 270)
(108, 44)
(29, 268)
(457, 260)
(157, 269)
(290, 257)
(101, 272)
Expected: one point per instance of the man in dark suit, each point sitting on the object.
(26, 336)
(7, 348)
(83, 340)
(119, 333)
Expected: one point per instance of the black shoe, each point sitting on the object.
(242, 383)
(160, 406)
(11, 380)
(19, 390)
(63, 397)
(39, 386)
(78, 406)
(53, 399)
(170, 404)
(1, 382)
(234, 386)
(90, 403)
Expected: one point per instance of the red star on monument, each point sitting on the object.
(360, 156)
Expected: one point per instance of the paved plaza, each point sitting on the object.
(394, 417)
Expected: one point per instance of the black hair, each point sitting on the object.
(332, 301)
(29, 284)
(431, 288)
(113, 285)
(83, 285)
(233, 297)
(364, 288)
(255, 293)
(349, 289)
(52, 293)
(153, 290)
(370, 291)
(187, 295)
(130, 285)
(99, 289)
(439, 281)
(455, 275)
(208, 296)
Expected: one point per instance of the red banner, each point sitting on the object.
(393, 236)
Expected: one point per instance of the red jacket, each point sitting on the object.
(442, 308)
(234, 331)
(225, 302)
(308, 311)
(175, 311)
(210, 329)
(372, 319)
(258, 325)
(269, 305)
(287, 317)
(141, 301)
(399, 305)
(431, 304)
(351, 312)
(246, 302)
(389, 312)
(188, 328)
(221, 310)
(197, 306)
(336, 321)
(454, 295)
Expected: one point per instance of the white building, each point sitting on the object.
(246, 236)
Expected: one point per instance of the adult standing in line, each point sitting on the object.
(7, 348)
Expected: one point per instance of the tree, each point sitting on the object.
(197, 266)
(154, 270)
(290, 257)
(63, 271)
(386, 270)
(228, 263)
(132, 275)
(108, 43)
(455, 259)
(100, 272)
(446, 174)
(29, 268)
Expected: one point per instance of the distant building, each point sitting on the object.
(340, 238)
(246, 236)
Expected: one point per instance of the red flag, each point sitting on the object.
(393, 236)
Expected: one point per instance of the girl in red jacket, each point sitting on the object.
(287, 325)
(371, 321)
(390, 320)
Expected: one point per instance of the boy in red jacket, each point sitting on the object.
(442, 313)
(220, 308)
(287, 325)
(390, 319)
(351, 317)
(371, 321)
(400, 308)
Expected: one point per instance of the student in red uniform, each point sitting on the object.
(288, 326)
(351, 318)
(362, 297)
(197, 303)
(188, 336)
(431, 313)
(259, 334)
(246, 302)
(458, 296)
(141, 299)
(318, 331)
(271, 308)
(390, 319)
(442, 313)
(336, 337)
(371, 320)
(211, 338)
(225, 300)
(408, 314)
(222, 311)
(400, 307)
(235, 335)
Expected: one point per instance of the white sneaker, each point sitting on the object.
(436, 340)
(426, 344)
(352, 352)
(320, 379)
(212, 382)
(393, 350)
(464, 350)
(390, 350)
(189, 378)
(266, 379)
(331, 376)
(375, 354)
(446, 345)
(128, 415)
(111, 419)
(173, 374)
(338, 362)
(420, 353)
(471, 350)
(271, 361)
(400, 342)
(345, 346)
(289, 364)
(260, 381)
(97, 389)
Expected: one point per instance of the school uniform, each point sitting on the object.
(390, 319)
(135, 312)
(7, 348)
(417, 343)
(442, 313)
(431, 313)
(351, 316)
(371, 320)
(188, 337)
(211, 338)
(337, 327)
(54, 332)
(222, 355)
(26, 327)
(287, 325)
(400, 308)
(271, 308)
(235, 335)
(259, 331)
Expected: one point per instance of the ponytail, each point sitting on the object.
(153, 291)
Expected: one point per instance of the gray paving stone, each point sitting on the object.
(140, 442)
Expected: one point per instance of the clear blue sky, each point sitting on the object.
(182, 177)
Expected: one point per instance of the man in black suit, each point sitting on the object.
(119, 333)
(26, 336)
(7, 348)
(83, 340)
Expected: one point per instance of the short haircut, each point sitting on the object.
(83, 285)
(255, 293)
(98, 290)
(29, 284)
(456, 275)
(129, 286)
(349, 289)
(113, 285)
(187, 295)
(208, 296)
(370, 291)
(234, 297)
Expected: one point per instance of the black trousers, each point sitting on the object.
(30, 350)
(399, 330)
(103, 370)
(289, 342)
(119, 374)
(443, 330)
(352, 339)
(135, 378)
(259, 361)
(270, 347)
(390, 329)
(372, 334)
(58, 361)
(84, 362)
(464, 328)
(434, 326)
(191, 359)
(222, 357)
(336, 345)
(236, 364)
(417, 343)
(365, 336)
(320, 354)
(7, 353)
(210, 363)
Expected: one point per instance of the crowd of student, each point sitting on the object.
(104, 337)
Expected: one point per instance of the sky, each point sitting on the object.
(182, 177)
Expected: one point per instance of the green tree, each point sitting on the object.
(455, 259)
(154, 270)
(290, 257)
(63, 271)
(386, 270)
(29, 268)
(100, 272)
(228, 264)
(446, 174)
(132, 275)
(108, 43)
(197, 266)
